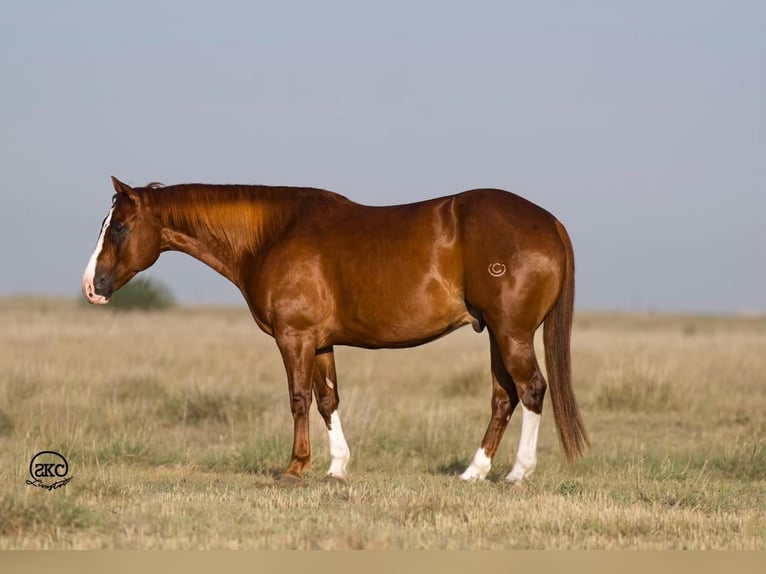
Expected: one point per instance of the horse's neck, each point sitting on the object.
(174, 240)
(222, 234)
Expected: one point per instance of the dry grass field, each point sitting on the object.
(175, 424)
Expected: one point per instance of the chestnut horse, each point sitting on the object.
(319, 270)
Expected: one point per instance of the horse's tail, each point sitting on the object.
(557, 331)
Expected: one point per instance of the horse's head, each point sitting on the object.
(129, 242)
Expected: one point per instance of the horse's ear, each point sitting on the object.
(120, 187)
(126, 190)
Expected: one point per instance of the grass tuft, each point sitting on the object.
(133, 451)
(143, 293)
(45, 512)
(745, 460)
(6, 424)
(199, 406)
(636, 387)
(138, 388)
(266, 457)
(469, 382)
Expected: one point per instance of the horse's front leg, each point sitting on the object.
(326, 391)
(298, 351)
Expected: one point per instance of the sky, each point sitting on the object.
(640, 125)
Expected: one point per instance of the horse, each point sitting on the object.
(319, 270)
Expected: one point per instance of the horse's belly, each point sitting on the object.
(384, 323)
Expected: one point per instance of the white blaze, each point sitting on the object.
(526, 456)
(338, 448)
(88, 278)
(479, 467)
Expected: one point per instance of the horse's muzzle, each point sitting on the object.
(95, 290)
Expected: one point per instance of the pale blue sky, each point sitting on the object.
(641, 125)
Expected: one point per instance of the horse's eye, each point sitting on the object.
(118, 229)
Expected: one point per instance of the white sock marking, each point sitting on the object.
(526, 456)
(339, 450)
(88, 278)
(479, 467)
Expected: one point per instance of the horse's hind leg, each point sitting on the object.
(518, 354)
(325, 382)
(504, 400)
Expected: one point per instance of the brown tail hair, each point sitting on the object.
(557, 330)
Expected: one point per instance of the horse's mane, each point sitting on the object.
(243, 216)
